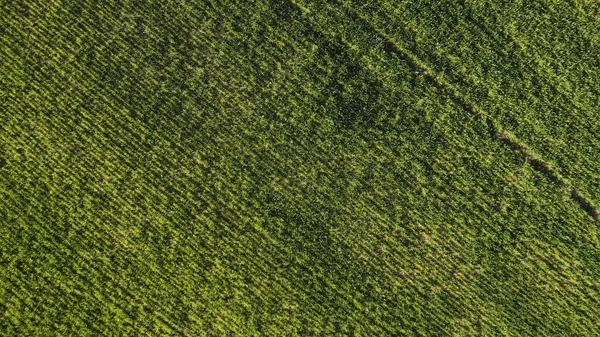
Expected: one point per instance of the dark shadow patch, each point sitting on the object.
(351, 93)
(23, 155)
(317, 263)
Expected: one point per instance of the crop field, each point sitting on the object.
(300, 168)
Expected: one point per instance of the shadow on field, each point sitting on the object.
(319, 266)
(352, 93)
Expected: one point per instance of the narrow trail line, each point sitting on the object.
(453, 93)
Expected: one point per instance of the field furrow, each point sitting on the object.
(286, 168)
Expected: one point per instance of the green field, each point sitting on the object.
(300, 168)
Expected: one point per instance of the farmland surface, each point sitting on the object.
(300, 168)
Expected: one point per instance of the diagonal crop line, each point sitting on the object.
(453, 93)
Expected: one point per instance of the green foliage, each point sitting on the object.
(297, 168)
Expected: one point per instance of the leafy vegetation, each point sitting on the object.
(299, 168)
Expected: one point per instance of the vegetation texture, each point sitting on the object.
(300, 168)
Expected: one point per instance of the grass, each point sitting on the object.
(299, 168)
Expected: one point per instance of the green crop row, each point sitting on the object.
(275, 168)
